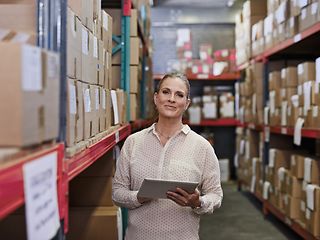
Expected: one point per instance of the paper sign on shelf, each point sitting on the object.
(31, 68)
(310, 196)
(117, 137)
(297, 131)
(40, 188)
(266, 134)
(72, 99)
(115, 106)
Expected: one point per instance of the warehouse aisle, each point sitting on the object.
(240, 218)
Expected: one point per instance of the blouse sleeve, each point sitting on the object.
(122, 195)
(210, 189)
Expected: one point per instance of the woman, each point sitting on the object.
(172, 151)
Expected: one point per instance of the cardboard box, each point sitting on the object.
(30, 86)
(297, 166)
(306, 72)
(26, 22)
(74, 52)
(103, 110)
(292, 26)
(134, 53)
(84, 10)
(292, 206)
(90, 192)
(89, 57)
(313, 222)
(109, 117)
(116, 15)
(254, 8)
(106, 31)
(294, 187)
(95, 100)
(94, 223)
(89, 111)
(274, 80)
(116, 77)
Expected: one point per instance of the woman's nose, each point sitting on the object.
(172, 97)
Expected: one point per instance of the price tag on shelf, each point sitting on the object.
(202, 76)
(40, 188)
(117, 137)
(297, 38)
(284, 130)
(266, 134)
(288, 221)
(251, 126)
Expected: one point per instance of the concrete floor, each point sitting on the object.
(240, 217)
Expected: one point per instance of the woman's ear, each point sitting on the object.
(155, 98)
(188, 103)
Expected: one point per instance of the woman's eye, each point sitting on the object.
(180, 95)
(165, 92)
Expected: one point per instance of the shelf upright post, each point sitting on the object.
(125, 75)
(265, 158)
(143, 80)
(125, 53)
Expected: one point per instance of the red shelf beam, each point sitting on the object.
(78, 163)
(309, 133)
(209, 77)
(11, 180)
(291, 223)
(222, 122)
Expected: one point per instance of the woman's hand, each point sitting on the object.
(184, 198)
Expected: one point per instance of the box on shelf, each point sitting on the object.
(92, 223)
(32, 84)
(74, 41)
(84, 10)
(106, 31)
(116, 15)
(89, 57)
(134, 53)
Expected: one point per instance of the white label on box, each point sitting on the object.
(266, 115)
(297, 131)
(308, 214)
(289, 111)
(297, 38)
(115, 106)
(315, 111)
(304, 185)
(247, 150)
(303, 13)
(283, 73)
(284, 130)
(105, 21)
(281, 173)
(85, 41)
(266, 134)
(117, 137)
(107, 60)
(52, 66)
(104, 57)
(97, 99)
(104, 99)
(266, 186)
(194, 114)
(310, 196)
(72, 99)
(300, 89)
(295, 100)
(210, 110)
(272, 156)
(291, 22)
(283, 92)
(318, 70)
(300, 69)
(31, 68)
(202, 76)
(272, 97)
(293, 160)
(73, 27)
(307, 169)
(41, 198)
(253, 183)
(236, 160)
(95, 47)
(314, 8)
(242, 146)
(87, 100)
(307, 96)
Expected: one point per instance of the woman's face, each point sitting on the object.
(172, 100)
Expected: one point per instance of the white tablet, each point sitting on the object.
(156, 188)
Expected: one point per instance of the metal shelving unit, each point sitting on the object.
(221, 122)
(297, 46)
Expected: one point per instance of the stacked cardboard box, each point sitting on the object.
(92, 212)
(30, 80)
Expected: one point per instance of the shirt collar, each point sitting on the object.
(185, 129)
